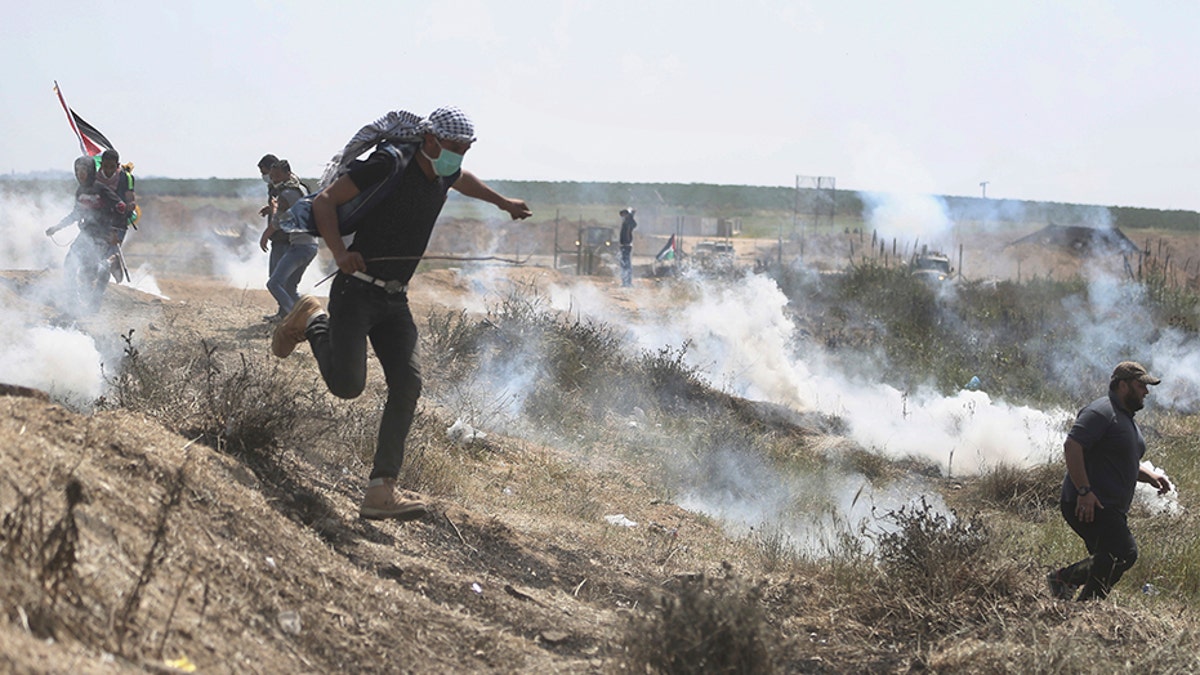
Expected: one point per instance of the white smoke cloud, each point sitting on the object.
(916, 218)
(64, 362)
(244, 266)
(740, 337)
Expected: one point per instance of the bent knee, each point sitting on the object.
(347, 390)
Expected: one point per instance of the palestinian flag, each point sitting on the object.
(668, 252)
(91, 141)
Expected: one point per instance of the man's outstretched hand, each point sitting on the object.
(517, 208)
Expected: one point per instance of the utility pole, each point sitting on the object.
(984, 186)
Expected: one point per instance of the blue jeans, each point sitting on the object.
(288, 271)
(626, 265)
(359, 311)
(1111, 547)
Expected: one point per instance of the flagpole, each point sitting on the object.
(70, 118)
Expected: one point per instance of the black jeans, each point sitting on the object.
(1110, 545)
(358, 311)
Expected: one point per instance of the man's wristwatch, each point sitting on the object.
(1084, 490)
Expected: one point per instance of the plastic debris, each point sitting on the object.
(476, 587)
(289, 622)
(182, 664)
(621, 520)
(462, 433)
(974, 384)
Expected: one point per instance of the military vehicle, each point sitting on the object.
(932, 267)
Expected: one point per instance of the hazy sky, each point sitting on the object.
(1090, 102)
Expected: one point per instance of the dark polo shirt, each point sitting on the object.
(1112, 450)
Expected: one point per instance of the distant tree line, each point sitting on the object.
(706, 199)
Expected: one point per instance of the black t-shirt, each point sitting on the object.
(401, 224)
(1112, 450)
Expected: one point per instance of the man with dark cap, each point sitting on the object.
(368, 298)
(1103, 454)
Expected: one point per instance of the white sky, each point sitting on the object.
(1074, 101)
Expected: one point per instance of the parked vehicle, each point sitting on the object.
(932, 267)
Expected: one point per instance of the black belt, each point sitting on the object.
(390, 286)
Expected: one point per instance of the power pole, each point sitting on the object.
(984, 186)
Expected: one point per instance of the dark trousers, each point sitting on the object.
(626, 265)
(87, 268)
(1110, 545)
(359, 311)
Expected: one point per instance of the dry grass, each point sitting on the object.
(174, 542)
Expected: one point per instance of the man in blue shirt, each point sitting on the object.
(1103, 453)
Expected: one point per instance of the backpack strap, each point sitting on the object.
(299, 217)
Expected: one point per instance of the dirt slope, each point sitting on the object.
(186, 555)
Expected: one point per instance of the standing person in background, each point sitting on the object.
(368, 298)
(278, 241)
(628, 225)
(1103, 453)
(300, 247)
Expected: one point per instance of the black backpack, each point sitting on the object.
(299, 218)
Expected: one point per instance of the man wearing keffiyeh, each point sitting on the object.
(368, 298)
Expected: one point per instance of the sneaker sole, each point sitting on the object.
(409, 513)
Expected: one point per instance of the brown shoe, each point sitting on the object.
(290, 331)
(382, 501)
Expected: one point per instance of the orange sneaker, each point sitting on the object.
(290, 331)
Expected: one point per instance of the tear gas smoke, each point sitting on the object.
(67, 363)
(244, 265)
(741, 339)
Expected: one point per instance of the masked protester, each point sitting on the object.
(101, 217)
(272, 240)
(1103, 452)
(368, 297)
(299, 248)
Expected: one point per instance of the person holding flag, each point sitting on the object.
(101, 216)
(108, 172)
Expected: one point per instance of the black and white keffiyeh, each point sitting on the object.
(452, 124)
(400, 126)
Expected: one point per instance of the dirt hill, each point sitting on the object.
(172, 552)
(130, 544)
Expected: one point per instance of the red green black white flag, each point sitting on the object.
(91, 141)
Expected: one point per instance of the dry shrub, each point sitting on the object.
(929, 550)
(429, 465)
(1026, 492)
(42, 590)
(708, 625)
(231, 402)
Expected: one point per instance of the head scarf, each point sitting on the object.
(399, 126)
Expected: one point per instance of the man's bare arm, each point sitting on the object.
(471, 186)
(325, 213)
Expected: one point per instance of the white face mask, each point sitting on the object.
(266, 178)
